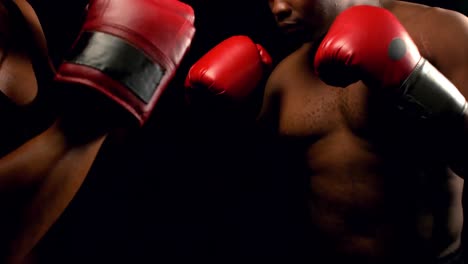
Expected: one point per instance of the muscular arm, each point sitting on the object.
(449, 52)
(39, 178)
(55, 169)
(268, 115)
(95, 91)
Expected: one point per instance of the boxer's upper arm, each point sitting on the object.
(449, 50)
(449, 46)
(270, 102)
(274, 88)
(266, 95)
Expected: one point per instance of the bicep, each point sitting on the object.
(452, 62)
(450, 47)
(269, 111)
(447, 45)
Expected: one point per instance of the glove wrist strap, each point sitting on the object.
(428, 94)
(120, 61)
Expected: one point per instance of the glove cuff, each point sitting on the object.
(115, 68)
(428, 94)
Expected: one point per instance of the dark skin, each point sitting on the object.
(382, 187)
(41, 175)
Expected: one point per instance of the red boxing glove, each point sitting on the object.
(368, 43)
(128, 51)
(232, 69)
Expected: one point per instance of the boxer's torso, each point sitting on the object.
(378, 188)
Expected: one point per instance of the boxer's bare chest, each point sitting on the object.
(366, 162)
(313, 110)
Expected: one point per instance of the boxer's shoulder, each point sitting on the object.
(448, 35)
(447, 30)
(287, 77)
(438, 27)
(273, 88)
(296, 63)
(440, 34)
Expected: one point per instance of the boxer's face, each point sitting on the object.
(305, 19)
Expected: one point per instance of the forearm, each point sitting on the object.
(28, 164)
(55, 191)
(31, 162)
(43, 174)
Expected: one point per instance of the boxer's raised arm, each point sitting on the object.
(122, 61)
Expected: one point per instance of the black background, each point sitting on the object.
(182, 186)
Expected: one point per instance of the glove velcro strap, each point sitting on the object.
(428, 94)
(120, 61)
